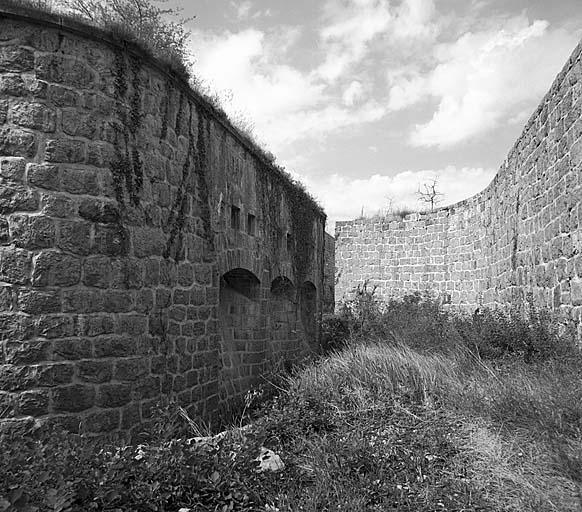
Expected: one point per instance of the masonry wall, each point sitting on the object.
(520, 237)
(143, 241)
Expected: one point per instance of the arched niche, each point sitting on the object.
(242, 324)
(283, 288)
(242, 281)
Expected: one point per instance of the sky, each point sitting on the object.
(365, 101)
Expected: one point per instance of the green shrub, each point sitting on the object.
(529, 333)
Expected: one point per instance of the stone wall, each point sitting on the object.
(147, 250)
(329, 274)
(520, 237)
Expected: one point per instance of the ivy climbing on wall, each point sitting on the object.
(127, 166)
(193, 184)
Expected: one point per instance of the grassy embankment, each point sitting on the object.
(418, 411)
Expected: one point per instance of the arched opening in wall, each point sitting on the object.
(243, 330)
(284, 339)
(308, 311)
(282, 287)
(243, 282)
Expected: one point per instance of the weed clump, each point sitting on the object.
(419, 318)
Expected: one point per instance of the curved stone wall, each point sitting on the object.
(520, 237)
(127, 205)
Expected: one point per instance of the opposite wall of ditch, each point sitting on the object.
(518, 241)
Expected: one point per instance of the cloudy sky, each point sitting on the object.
(366, 100)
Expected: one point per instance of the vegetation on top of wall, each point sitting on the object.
(139, 27)
(127, 21)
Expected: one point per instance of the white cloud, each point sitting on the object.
(318, 123)
(343, 198)
(479, 80)
(265, 89)
(415, 19)
(349, 27)
(408, 88)
(285, 103)
(353, 93)
(243, 9)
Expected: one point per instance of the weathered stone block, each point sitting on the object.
(168, 273)
(73, 398)
(177, 313)
(59, 206)
(111, 240)
(152, 272)
(82, 301)
(15, 198)
(32, 232)
(27, 352)
(99, 211)
(65, 70)
(178, 384)
(131, 369)
(133, 325)
(72, 349)
(44, 176)
(97, 272)
(12, 85)
(63, 96)
(56, 326)
(127, 273)
(12, 169)
(147, 242)
(79, 124)
(65, 151)
(17, 326)
(74, 236)
(117, 301)
(113, 395)
(36, 302)
(197, 296)
(51, 375)
(15, 265)
(96, 325)
(96, 372)
(576, 291)
(185, 274)
(130, 416)
(16, 58)
(101, 154)
(33, 403)
(102, 421)
(36, 116)
(114, 346)
(148, 387)
(144, 301)
(181, 297)
(53, 268)
(7, 297)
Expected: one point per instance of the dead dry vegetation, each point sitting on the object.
(413, 409)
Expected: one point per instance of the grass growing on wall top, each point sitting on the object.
(376, 426)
